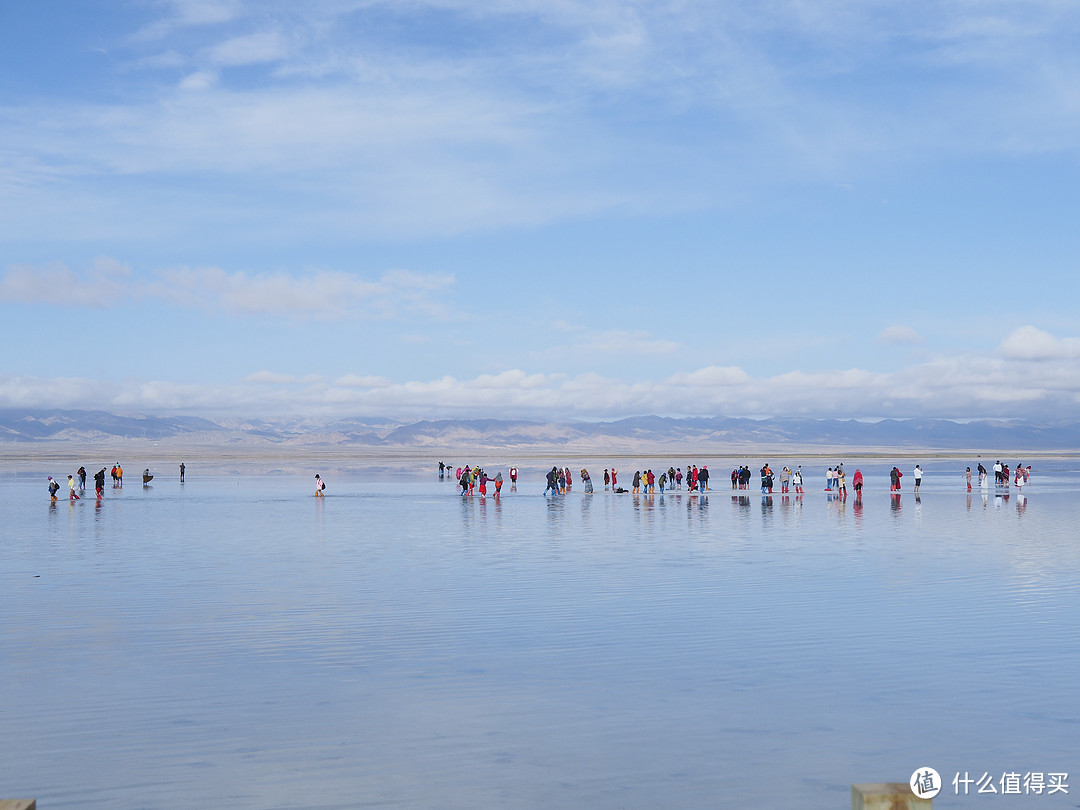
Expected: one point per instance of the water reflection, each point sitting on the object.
(502, 652)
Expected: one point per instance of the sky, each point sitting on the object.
(417, 209)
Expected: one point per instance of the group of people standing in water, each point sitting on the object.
(471, 479)
(1020, 476)
(77, 483)
(673, 478)
(559, 480)
(696, 479)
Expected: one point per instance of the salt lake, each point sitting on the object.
(234, 641)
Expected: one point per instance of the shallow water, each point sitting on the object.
(236, 642)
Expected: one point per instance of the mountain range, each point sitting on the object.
(634, 434)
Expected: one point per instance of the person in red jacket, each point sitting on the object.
(856, 484)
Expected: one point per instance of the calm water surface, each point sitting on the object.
(236, 642)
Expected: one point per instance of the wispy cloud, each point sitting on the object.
(270, 378)
(105, 285)
(403, 134)
(324, 295)
(618, 341)
(899, 336)
(249, 49)
(198, 81)
(189, 13)
(611, 342)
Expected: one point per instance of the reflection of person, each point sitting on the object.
(320, 486)
(182, 468)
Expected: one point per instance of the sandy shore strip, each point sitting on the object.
(164, 458)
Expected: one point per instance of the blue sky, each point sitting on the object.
(541, 209)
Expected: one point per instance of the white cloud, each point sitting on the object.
(1031, 343)
(959, 387)
(198, 81)
(361, 381)
(515, 379)
(270, 378)
(899, 336)
(712, 376)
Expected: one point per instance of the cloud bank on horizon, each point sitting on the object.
(582, 209)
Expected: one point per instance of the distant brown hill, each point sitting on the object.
(635, 434)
